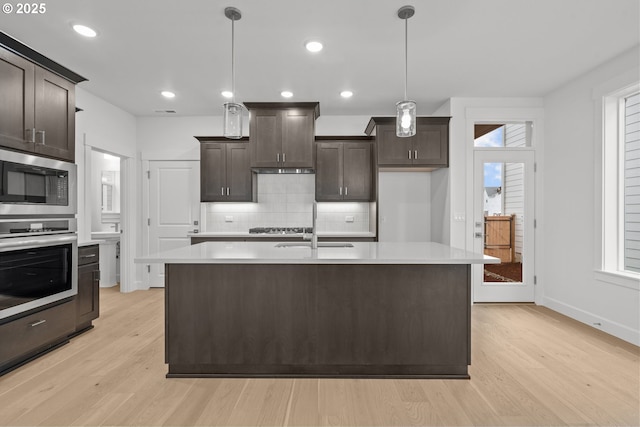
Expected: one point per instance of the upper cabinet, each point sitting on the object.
(429, 147)
(37, 112)
(281, 134)
(343, 171)
(225, 174)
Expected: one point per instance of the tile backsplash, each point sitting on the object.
(286, 200)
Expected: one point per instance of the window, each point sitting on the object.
(621, 183)
(630, 178)
(503, 135)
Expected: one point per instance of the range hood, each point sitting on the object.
(282, 170)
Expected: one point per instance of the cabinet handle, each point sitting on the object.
(341, 191)
(409, 154)
(284, 157)
(41, 132)
(88, 256)
(222, 191)
(227, 191)
(31, 133)
(39, 322)
(278, 157)
(346, 191)
(415, 154)
(96, 276)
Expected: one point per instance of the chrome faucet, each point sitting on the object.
(314, 227)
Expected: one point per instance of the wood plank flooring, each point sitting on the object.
(530, 367)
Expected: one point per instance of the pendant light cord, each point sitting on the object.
(406, 55)
(233, 73)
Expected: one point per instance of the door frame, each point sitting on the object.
(501, 114)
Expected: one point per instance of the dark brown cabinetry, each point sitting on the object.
(345, 320)
(37, 112)
(88, 298)
(225, 173)
(429, 147)
(343, 171)
(281, 134)
(25, 338)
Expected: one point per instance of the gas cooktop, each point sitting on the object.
(280, 230)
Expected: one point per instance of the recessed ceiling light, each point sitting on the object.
(313, 46)
(346, 94)
(168, 94)
(84, 30)
(227, 94)
(286, 94)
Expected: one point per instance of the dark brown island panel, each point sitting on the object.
(318, 320)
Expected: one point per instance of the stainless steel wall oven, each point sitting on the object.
(38, 263)
(36, 186)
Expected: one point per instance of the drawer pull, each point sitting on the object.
(89, 256)
(39, 322)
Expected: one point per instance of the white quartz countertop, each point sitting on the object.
(246, 234)
(360, 253)
(89, 242)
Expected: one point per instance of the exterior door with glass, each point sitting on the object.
(503, 225)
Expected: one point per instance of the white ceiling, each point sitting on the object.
(474, 48)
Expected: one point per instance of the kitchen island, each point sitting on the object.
(237, 309)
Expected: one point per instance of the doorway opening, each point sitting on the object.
(503, 194)
(105, 193)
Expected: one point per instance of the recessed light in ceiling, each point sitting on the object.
(313, 46)
(286, 94)
(346, 94)
(227, 94)
(168, 94)
(84, 30)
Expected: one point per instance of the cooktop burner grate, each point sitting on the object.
(280, 230)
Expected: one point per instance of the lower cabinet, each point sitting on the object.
(25, 338)
(88, 298)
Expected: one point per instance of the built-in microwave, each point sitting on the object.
(33, 185)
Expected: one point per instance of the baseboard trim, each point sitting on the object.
(616, 329)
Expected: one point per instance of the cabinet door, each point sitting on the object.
(87, 300)
(55, 115)
(393, 150)
(357, 171)
(16, 107)
(431, 145)
(213, 172)
(238, 173)
(297, 138)
(329, 171)
(265, 137)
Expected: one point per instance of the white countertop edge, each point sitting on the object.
(247, 234)
(313, 261)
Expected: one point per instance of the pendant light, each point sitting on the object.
(232, 110)
(405, 110)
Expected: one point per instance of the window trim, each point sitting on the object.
(610, 189)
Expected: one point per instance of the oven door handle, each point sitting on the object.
(36, 241)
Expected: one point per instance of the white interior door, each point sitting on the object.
(174, 208)
(504, 225)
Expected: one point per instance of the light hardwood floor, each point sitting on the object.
(530, 366)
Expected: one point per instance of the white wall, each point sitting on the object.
(110, 129)
(572, 141)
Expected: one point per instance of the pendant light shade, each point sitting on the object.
(232, 127)
(405, 118)
(405, 110)
(232, 120)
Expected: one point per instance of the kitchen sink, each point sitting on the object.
(308, 245)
